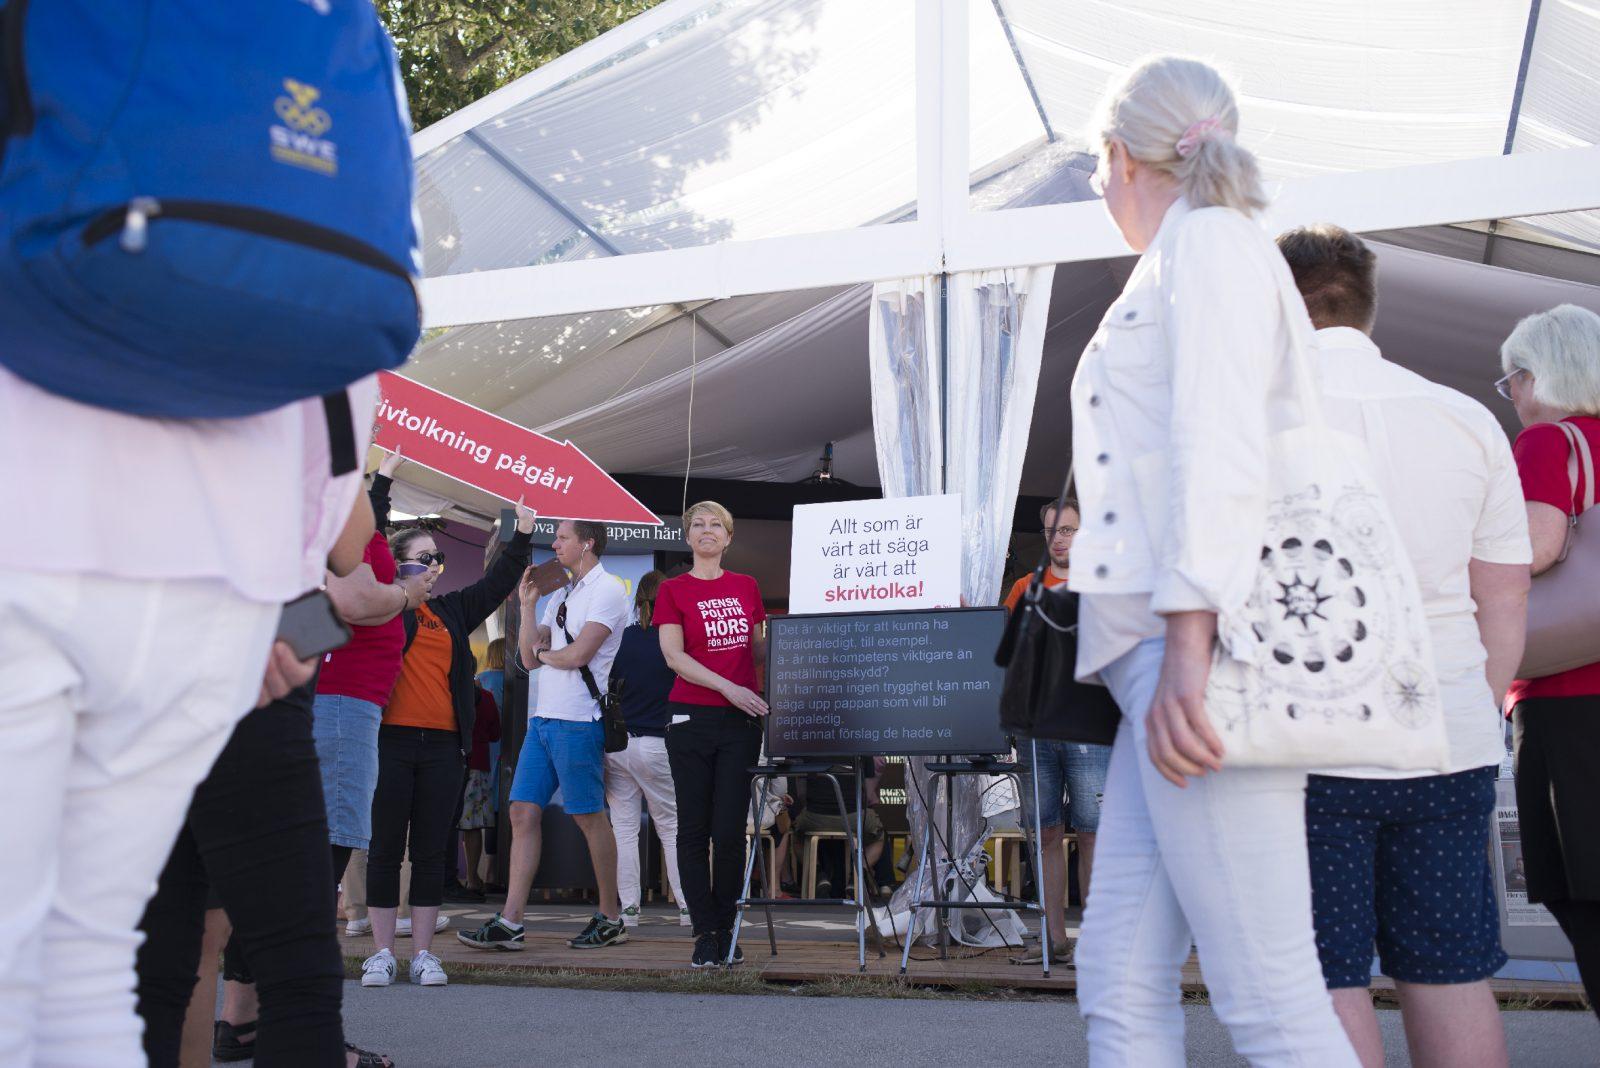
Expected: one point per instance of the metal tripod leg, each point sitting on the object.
(861, 869)
(759, 805)
(923, 860)
(1038, 860)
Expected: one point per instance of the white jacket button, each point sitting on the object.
(1110, 518)
(1102, 571)
(1103, 459)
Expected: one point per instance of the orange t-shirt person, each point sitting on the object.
(421, 695)
(1058, 536)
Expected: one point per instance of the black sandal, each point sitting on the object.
(368, 1059)
(226, 1046)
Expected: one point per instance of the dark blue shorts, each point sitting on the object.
(1403, 864)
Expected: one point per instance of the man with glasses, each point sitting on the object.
(1072, 775)
(575, 643)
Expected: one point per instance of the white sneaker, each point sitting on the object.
(402, 926)
(630, 916)
(358, 927)
(683, 918)
(427, 971)
(379, 969)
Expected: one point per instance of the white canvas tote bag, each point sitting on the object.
(1329, 664)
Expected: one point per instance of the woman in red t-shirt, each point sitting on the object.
(1552, 365)
(711, 634)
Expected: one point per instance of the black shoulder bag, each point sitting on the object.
(616, 729)
(1040, 697)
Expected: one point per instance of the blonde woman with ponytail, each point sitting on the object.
(1170, 419)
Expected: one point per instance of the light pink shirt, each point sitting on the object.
(248, 501)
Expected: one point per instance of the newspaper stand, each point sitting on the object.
(946, 772)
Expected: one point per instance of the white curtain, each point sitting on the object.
(903, 342)
(996, 323)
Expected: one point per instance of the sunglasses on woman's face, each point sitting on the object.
(430, 559)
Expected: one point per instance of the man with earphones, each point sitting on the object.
(572, 646)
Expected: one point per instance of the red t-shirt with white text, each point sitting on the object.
(366, 666)
(719, 618)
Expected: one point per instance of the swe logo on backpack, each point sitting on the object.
(205, 209)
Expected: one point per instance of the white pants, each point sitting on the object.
(641, 772)
(115, 698)
(1223, 860)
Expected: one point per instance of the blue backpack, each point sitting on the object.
(205, 208)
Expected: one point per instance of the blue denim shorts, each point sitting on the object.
(1072, 779)
(346, 733)
(1403, 865)
(565, 754)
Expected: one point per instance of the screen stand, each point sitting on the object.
(760, 790)
(944, 773)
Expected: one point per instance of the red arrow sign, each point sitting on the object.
(498, 456)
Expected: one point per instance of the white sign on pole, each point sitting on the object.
(876, 556)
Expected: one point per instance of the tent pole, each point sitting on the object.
(1022, 68)
(1516, 113)
(944, 383)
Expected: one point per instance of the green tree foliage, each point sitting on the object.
(454, 51)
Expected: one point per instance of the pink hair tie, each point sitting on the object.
(1200, 131)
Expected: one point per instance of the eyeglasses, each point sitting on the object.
(430, 559)
(1502, 386)
(561, 615)
(1051, 532)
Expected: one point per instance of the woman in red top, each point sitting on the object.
(1552, 365)
(710, 622)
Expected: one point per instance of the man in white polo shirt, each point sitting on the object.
(1402, 862)
(578, 636)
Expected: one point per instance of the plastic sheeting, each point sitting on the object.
(997, 330)
(995, 338)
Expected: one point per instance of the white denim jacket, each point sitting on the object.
(1170, 418)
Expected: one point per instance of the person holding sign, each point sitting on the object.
(710, 621)
(1170, 426)
(426, 732)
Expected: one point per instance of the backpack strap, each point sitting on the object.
(341, 432)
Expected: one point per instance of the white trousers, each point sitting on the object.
(640, 772)
(115, 698)
(1222, 860)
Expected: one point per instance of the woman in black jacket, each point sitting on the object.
(422, 746)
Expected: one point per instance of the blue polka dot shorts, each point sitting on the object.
(1403, 865)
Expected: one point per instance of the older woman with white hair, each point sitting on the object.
(1552, 376)
(1170, 424)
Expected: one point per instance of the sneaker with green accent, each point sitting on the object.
(630, 916)
(497, 934)
(600, 933)
(684, 919)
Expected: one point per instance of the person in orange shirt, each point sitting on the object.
(1072, 775)
(1059, 537)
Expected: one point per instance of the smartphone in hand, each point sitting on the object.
(311, 627)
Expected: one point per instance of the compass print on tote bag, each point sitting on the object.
(1329, 664)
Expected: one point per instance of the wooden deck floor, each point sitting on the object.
(663, 950)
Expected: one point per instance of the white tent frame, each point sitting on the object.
(947, 236)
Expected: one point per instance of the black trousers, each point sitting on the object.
(710, 756)
(1557, 743)
(257, 831)
(419, 787)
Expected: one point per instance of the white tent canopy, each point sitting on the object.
(694, 204)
